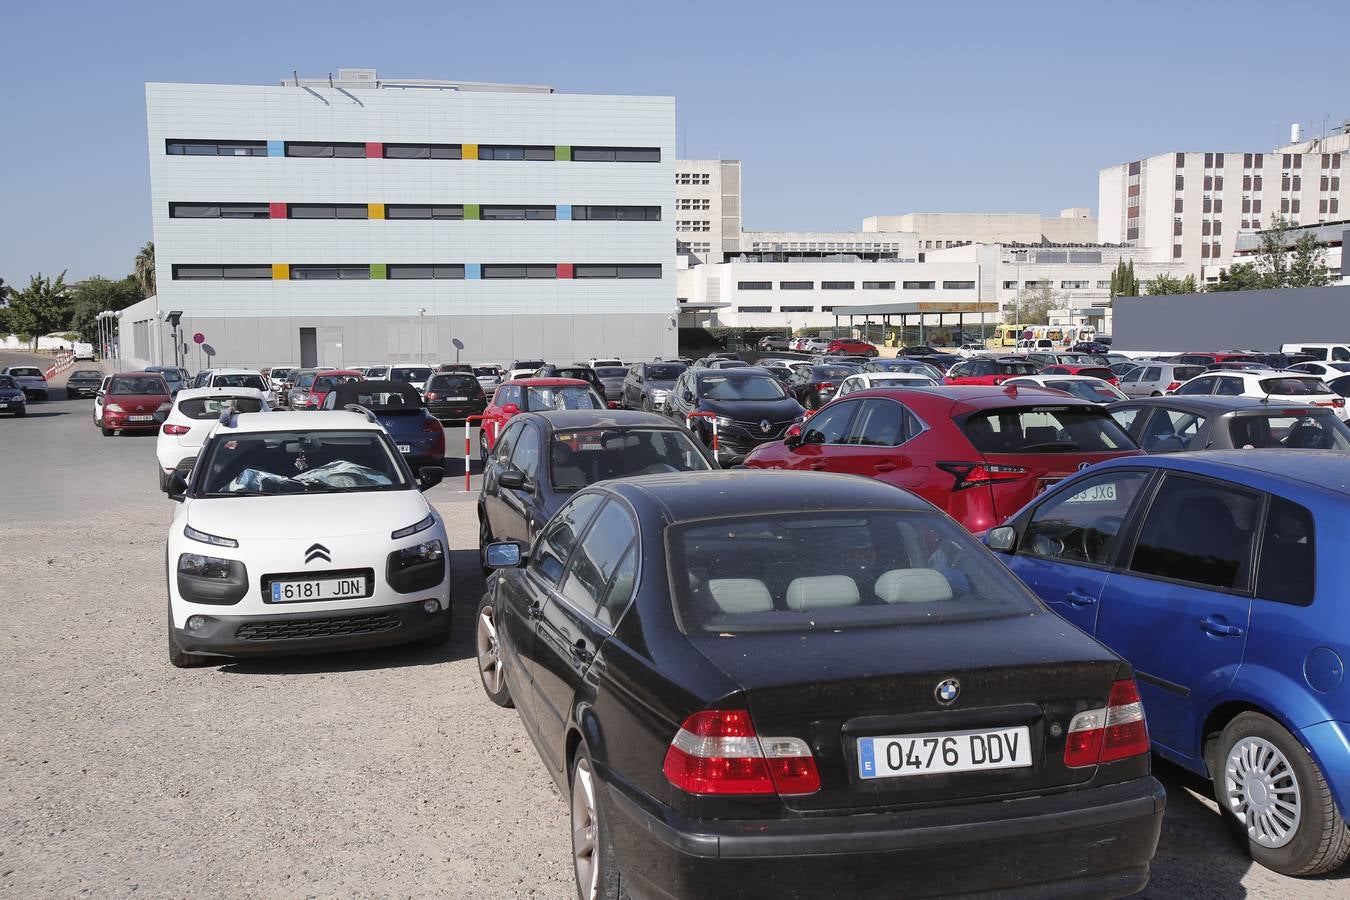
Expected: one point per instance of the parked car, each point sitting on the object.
(579, 371)
(325, 382)
(134, 401)
(1100, 372)
(542, 459)
(533, 395)
(1301, 389)
(1332, 352)
(815, 345)
(83, 382)
(416, 375)
(173, 376)
(303, 533)
(488, 376)
(904, 364)
(750, 406)
(377, 373)
(719, 362)
(1153, 379)
(1121, 369)
(859, 348)
(1085, 387)
(989, 371)
(399, 409)
(1207, 359)
(1208, 422)
(866, 381)
(814, 386)
(979, 453)
(30, 380)
(1324, 370)
(742, 686)
(647, 384)
(12, 399)
(454, 367)
(99, 399)
(277, 375)
(596, 362)
(195, 412)
(916, 350)
(301, 380)
(612, 378)
(1237, 365)
(1219, 576)
(454, 396)
(770, 343)
(523, 368)
(245, 378)
(1340, 385)
(1091, 347)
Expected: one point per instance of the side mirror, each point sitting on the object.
(177, 487)
(504, 555)
(513, 480)
(1001, 539)
(687, 396)
(510, 409)
(429, 476)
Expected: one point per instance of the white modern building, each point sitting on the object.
(937, 231)
(351, 220)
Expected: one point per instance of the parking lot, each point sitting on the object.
(383, 773)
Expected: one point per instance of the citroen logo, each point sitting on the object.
(317, 551)
(947, 691)
(764, 425)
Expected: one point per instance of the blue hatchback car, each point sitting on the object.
(1223, 578)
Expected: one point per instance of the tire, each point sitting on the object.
(1255, 750)
(596, 871)
(107, 432)
(1156, 394)
(163, 482)
(487, 648)
(647, 404)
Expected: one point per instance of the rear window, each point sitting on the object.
(828, 570)
(450, 383)
(325, 383)
(25, 372)
(1314, 431)
(1097, 393)
(833, 371)
(1016, 368)
(410, 373)
(611, 371)
(1186, 373)
(664, 373)
(211, 407)
(1045, 429)
(86, 373)
(248, 381)
(490, 371)
(584, 456)
(1103, 374)
(1293, 386)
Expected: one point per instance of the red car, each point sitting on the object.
(1101, 372)
(134, 401)
(1208, 358)
(532, 395)
(852, 348)
(989, 371)
(978, 453)
(323, 383)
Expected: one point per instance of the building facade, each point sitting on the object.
(707, 208)
(937, 231)
(357, 220)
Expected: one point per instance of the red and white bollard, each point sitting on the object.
(468, 444)
(697, 414)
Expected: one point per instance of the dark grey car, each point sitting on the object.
(647, 384)
(1207, 422)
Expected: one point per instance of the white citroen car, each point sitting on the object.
(195, 413)
(302, 532)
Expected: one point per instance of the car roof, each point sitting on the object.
(195, 393)
(965, 398)
(1214, 404)
(548, 382)
(1044, 375)
(317, 420)
(601, 418)
(234, 372)
(733, 372)
(1266, 469)
(685, 496)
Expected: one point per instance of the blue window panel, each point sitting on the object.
(276, 148)
(564, 212)
(473, 270)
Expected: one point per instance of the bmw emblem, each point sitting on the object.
(947, 691)
(764, 425)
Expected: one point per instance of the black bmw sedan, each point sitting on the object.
(778, 685)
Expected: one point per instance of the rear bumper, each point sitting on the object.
(447, 412)
(1091, 842)
(314, 632)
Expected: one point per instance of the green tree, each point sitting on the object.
(1239, 277)
(93, 295)
(1167, 284)
(1033, 305)
(1272, 259)
(41, 307)
(144, 271)
(1308, 264)
(1123, 280)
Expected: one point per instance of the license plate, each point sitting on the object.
(405, 448)
(1098, 493)
(318, 589)
(140, 418)
(457, 399)
(4, 404)
(943, 752)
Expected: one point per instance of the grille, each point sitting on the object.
(752, 429)
(308, 628)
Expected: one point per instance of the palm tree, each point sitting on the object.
(145, 269)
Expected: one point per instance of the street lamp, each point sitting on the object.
(421, 327)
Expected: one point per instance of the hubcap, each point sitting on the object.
(1261, 790)
(489, 654)
(584, 849)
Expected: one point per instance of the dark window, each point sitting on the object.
(800, 309)
(918, 285)
(627, 270)
(1200, 532)
(219, 211)
(597, 558)
(754, 309)
(1181, 182)
(1288, 554)
(1083, 526)
(517, 212)
(505, 151)
(836, 285)
(616, 154)
(754, 285)
(1176, 251)
(1044, 429)
(617, 213)
(883, 423)
(796, 285)
(311, 150)
(1180, 160)
(1134, 168)
(556, 543)
(215, 148)
(1177, 205)
(405, 271)
(519, 271)
(416, 211)
(216, 273)
(958, 285)
(329, 273)
(831, 425)
(422, 151)
(327, 210)
(529, 452)
(878, 285)
(1209, 160)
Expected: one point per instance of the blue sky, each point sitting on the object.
(838, 110)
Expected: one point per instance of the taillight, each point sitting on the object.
(718, 752)
(824, 386)
(1113, 732)
(1172, 387)
(1339, 403)
(970, 474)
(432, 395)
(999, 379)
(437, 442)
(175, 429)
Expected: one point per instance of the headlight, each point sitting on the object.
(203, 566)
(113, 407)
(194, 534)
(413, 529)
(427, 551)
(724, 422)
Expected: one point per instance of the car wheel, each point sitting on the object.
(1156, 394)
(107, 432)
(163, 481)
(1274, 798)
(597, 872)
(489, 650)
(647, 404)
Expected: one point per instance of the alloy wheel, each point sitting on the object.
(585, 850)
(489, 652)
(1262, 792)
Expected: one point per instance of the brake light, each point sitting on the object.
(717, 751)
(1172, 387)
(432, 395)
(971, 474)
(1338, 402)
(175, 429)
(824, 386)
(1116, 731)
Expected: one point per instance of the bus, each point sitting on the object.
(1006, 336)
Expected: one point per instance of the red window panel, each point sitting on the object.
(1133, 191)
(1218, 160)
(278, 210)
(1256, 183)
(565, 270)
(374, 150)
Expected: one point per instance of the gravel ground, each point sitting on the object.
(384, 773)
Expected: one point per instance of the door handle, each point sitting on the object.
(1213, 625)
(581, 653)
(1078, 598)
(885, 467)
(818, 464)
(534, 609)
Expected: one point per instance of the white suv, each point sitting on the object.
(194, 414)
(303, 532)
(1290, 387)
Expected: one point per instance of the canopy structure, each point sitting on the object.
(923, 309)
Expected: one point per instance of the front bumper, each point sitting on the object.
(1089, 842)
(13, 404)
(82, 390)
(314, 632)
(120, 423)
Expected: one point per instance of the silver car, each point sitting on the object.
(30, 380)
(1153, 379)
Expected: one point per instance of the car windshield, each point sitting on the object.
(527, 364)
(611, 371)
(1042, 429)
(377, 398)
(328, 382)
(764, 387)
(1097, 392)
(7, 382)
(1016, 368)
(832, 371)
(664, 373)
(142, 384)
(167, 374)
(211, 407)
(584, 456)
(564, 397)
(1186, 373)
(1310, 431)
(409, 374)
(279, 373)
(298, 462)
(827, 570)
(464, 384)
(1294, 387)
(488, 371)
(25, 372)
(239, 380)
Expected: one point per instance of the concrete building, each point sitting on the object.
(361, 219)
(1193, 205)
(936, 231)
(1330, 236)
(707, 208)
(889, 245)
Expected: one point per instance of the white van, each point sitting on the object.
(1323, 352)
